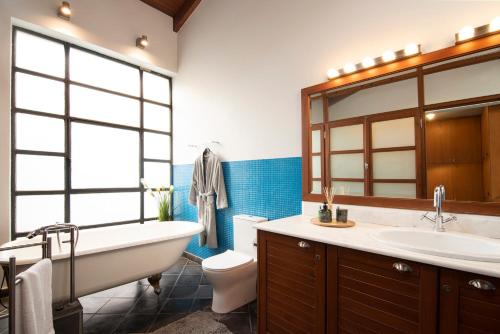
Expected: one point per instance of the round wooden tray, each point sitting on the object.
(334, 223)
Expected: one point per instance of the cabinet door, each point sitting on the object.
(378, 294)
(469, 303)
(291, 284)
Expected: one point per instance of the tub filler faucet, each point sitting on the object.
(438, 220)
(57, 227)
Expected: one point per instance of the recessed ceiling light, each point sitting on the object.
(349, 68)
(64, 10)
(466, 32)
(411, 49)
(368, 62)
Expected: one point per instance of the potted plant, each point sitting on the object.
(163, 196)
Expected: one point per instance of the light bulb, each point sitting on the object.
(389, 56)
(495, 24)
(411, 49)
(349, 68)
(64, 10)
(430, 116)
(142, 42)
(466, 33)
(368, 62)
(332, 73)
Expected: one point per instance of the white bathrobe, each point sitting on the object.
(207, 190)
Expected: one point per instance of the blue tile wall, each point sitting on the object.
(268, 188)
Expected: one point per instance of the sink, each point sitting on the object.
(446, 244)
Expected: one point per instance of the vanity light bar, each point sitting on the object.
(469, 33)
(389, 56)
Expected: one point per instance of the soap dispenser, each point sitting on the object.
(325, 214)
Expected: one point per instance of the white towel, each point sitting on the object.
(34, 300)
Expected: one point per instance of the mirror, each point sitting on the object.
(463, 152)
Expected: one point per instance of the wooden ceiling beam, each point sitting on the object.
(184, 12)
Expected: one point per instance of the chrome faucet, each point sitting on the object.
(438, 220)
(57, 227)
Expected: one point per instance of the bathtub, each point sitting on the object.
(109, 256)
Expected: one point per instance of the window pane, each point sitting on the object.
(157, 174)
(349, 166)
(91, 209)
(316, 167)
(316, 187)
(346, 138)
(393, 133)
(316, 108)
(349, 188)
(156, 146)
(394, 165)
(39, 54)
(150, 206)
(156, 117)
(104, 157)
(35, 211)
(34, 172)
(398, 190)
(156, 88)
(99, 106)
(39, 94)
(316, 141)
(101, 72)
(39, 133)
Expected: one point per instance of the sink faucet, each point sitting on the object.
(438, 220)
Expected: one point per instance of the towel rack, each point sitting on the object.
(46, 244)
(204, 144)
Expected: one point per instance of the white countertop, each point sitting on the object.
(360, 237)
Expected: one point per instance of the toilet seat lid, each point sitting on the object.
(226, 261)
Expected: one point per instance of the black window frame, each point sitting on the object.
(68, 120)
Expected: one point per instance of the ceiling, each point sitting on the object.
(179, 10)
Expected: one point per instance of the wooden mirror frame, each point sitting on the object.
(414, 63)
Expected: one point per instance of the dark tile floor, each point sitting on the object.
(135, 308)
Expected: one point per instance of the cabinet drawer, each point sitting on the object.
(470, 303)
(291, 284)
(380, 294)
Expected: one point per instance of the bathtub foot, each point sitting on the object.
(155, 283)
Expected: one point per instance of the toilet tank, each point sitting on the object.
(245, 235)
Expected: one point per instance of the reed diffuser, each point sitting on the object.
(329, 194)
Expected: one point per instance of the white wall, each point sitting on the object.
(109, 26)
(242, 63)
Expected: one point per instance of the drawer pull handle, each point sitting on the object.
(482, 284)
(303, 244)
(402, 267)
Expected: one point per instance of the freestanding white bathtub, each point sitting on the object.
(109, 256)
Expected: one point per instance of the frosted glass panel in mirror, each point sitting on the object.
(35, 211)
(35, 172)
(394, 165)
(98, 71)
(394, 133)
(39, 133)
(156, 117)
(156, 88)
(394, 96)
(39, 54)
(104, 157)
(316, 187)
(349, 166)
(157, 174)
(316, 167)
(316, 141)
(156, 146)
(396, 190)
(346, 138)
(91, 209)
(464, 82)
(95, 105)
(316, 110)
(39, 94)
(349, 188)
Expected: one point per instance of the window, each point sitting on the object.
(85, 129)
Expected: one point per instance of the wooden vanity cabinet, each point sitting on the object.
(469, 303)
(370, 293)
(291, 284)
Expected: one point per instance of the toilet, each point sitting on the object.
(233, 274)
